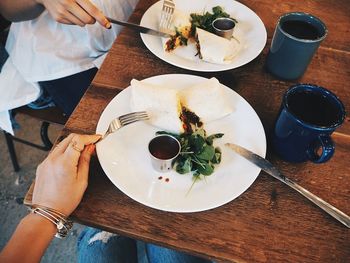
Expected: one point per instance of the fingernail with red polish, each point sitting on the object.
(108, 25)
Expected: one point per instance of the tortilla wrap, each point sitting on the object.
(161, 103)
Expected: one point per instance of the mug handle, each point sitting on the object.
(325, 142)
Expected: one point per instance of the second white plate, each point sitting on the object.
(250, 31)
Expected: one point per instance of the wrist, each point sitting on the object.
(60, 221)
(37, 221)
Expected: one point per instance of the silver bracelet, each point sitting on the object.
(63, 224)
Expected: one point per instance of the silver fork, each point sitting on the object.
(166, 16)
(124, 120)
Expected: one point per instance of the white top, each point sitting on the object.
(43, 49)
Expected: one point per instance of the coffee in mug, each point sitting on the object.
(297, 37)
(308, 116)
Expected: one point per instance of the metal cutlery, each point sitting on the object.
(139, 28)
(166, 16)
(266, 166)
(124, 120)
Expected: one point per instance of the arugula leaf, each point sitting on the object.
(184, 166)
(205, 20)
(201, 132)
(198, 155)
(196, 143)
(208, 169)
(217, 156)
(211, 138)
(207, 153)
(168, 133)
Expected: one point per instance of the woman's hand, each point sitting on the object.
(76, 12)
(62, 178)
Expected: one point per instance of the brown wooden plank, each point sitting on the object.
(269, 222)
(266, 222)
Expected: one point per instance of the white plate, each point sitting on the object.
(250, 31)
(125, 160)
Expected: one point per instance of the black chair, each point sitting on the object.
(47, 116)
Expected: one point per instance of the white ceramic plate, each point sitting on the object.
(125, 160)
(250, 31)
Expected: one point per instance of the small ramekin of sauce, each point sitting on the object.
(223, 26)
(163, 150)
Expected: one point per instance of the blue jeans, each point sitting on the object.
(97, 246)
(66, 92)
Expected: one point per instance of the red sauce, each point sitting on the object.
(167, 180)
(164, 147)
(160, 177)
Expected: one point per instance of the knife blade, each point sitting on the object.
(270, 169)
(139, 28)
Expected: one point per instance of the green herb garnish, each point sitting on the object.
(198, 155)
(205, 21)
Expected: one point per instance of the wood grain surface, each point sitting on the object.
(269, 222)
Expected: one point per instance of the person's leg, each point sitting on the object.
(157, 254)
(97, 246)
(66, 92)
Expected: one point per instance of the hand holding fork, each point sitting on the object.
(124, 120)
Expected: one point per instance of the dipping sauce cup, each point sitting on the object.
(224, 27)
(163, 150)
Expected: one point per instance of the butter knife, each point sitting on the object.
(139, 28)
(266, 166)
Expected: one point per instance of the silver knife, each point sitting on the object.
(266, 166)
(139, 28)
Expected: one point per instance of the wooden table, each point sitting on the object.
(269, 222)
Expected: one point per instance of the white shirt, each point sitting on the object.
(43, 49)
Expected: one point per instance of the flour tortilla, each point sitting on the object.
(207, 100)
(216, 49)
(162, 104)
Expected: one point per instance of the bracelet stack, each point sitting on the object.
(63, 224)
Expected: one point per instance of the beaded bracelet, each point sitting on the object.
(63, 224)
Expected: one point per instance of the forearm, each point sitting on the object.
(20, 10)
(30, 240)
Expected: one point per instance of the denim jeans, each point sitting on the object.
(97, 246)
(66, 92)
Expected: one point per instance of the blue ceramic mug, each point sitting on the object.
(308, 116)
(297, 37)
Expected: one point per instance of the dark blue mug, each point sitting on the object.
(308, 116)
(297, 37)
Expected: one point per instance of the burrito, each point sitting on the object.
(207, 99)
(162, 104)
(216, 49)
(181, 110)
(181, 34)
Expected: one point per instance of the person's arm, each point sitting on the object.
(20, 10)
(73, 12)
(60, 183)
(30, 240)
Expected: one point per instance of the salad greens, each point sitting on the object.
(205, 21)
(198, 154)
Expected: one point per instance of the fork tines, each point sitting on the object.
(166, 15)
(132, 117)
